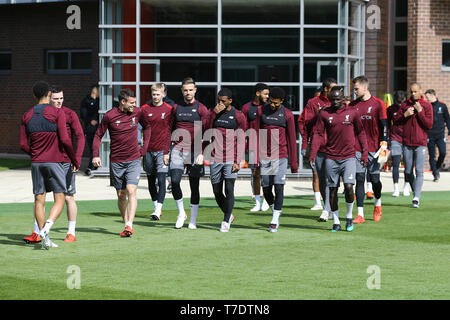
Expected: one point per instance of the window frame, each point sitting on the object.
(445, 67)
(6, 71)
(69, 70)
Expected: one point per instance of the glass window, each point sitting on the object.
(120, 12)
(309, 93)
(400, 56)
(260, 12)
(401, 31)
(320, 41)
(260, 69)
(118, 69)
(174, 40)
(401, 8)
(317, 70)
(58, 61)
(119, 40)
(353, 43)
(178, 12)
(400, 80)
(354, 15)
(200, 69)
(446, 54)
(321, 12)
(5, 61)
(260, 40)
(81, 60)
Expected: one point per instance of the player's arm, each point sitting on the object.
(240, 139)
(24, 144)
(146, 132)
(402, 114)
(77, 132)
(447, 119)
(302, 130)
(362, 138)
(317, 139)
(64, 138)
(292, 141)
(96, 161)
(425, 117)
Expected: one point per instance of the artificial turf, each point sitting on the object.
(304, 260)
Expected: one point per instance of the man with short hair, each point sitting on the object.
(125, 156)
(157, 115)
(277, 144)
(374, 119)
(228, 129)
(89, 115)
(249, 110)
(74, 129)
(43, 135)
(436, 135)
(416, 115)
(396, 142)
(306, 122)
(338, 127)
(190, 119)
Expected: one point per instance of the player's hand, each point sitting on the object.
(409, 112)
(418, 106)
(312, 163)
(303, 152)
(383, 145)
(219, 108)
(97, 162)
(142, 152)
(294, 170)
(235, 168)
(199, 159)
(364, 163)
(94, 122)
(75, 169)
(166, 159)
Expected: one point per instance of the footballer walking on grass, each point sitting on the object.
(374, 119)
(43, 135)
(74, 129)
(338, 127)
(250, 110)
(277, 144)
(158, 115)
(125, 157)
(190, 119)
(228, 146)
(306, 123)
(416, 115)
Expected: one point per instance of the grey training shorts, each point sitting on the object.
(396, 148)
(273, 172)
(345, 168)
(70, 179)
(48, 177)
(154, 163)
(123, 173)
(373, 167)
(221, 171)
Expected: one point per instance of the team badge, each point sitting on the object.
(330, 119)
(163, 115)
(117, 122)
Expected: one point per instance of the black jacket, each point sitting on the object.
(89, 109)
(440, 119)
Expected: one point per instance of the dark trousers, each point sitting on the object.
(432, 143)
(90, 133)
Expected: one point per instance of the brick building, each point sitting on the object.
(410, 44)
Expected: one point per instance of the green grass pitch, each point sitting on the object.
(304, 260)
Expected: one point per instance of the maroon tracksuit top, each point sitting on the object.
(123, 132)
(415, 127)
(287, 144)
(341, 126)
(308, 118)
(160, 120)
(74, 129)
(395, 127)
(224, 123)
(47, 146)
(371, 112)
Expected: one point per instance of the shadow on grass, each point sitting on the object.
(17, 240)
(296, 226)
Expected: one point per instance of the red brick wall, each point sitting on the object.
(28, 30)
(428, 25)
(377, 52)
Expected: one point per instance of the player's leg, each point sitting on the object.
(229, 177)
(176, 169)
(279, 168)
(396, 174)
(256, 188)
(194, 184)
(131, 205)
(131, 181)
(348, 170)
(369, 193)
(442, 146)
(316, 190)
(71, 205)
(373, 171)
(150, 169)
(360, 181)
(39, 203)
(432, 155)
(419, 162)
(408, 159)
(324, 190)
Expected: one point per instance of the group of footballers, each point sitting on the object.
(345, 139)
